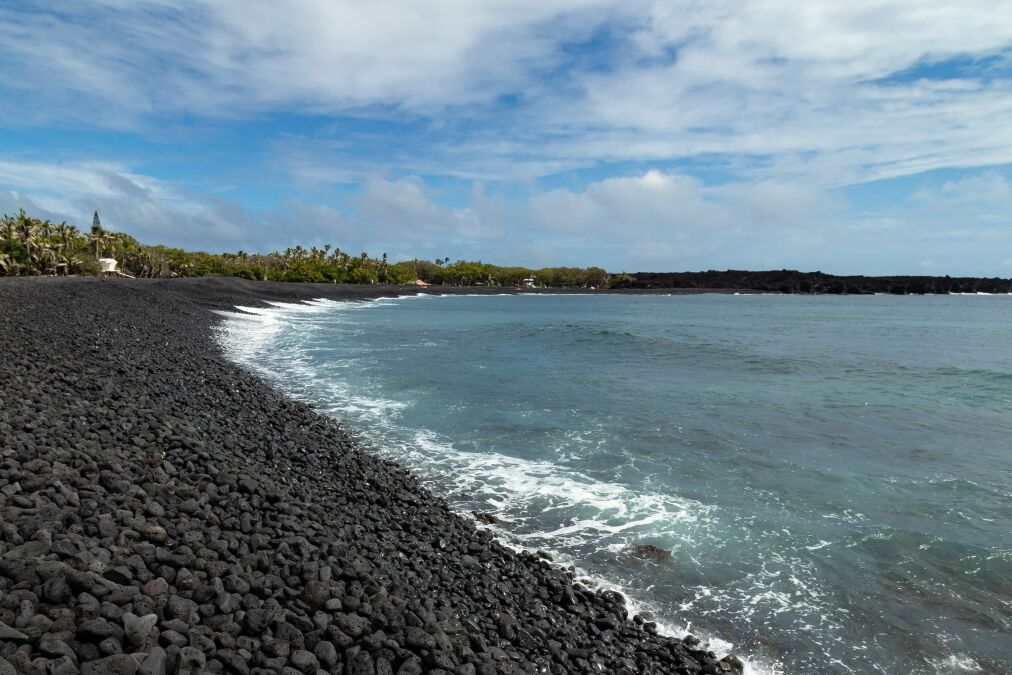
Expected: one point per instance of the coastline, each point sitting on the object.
(166, 511)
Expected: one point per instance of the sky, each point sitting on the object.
(859, 137)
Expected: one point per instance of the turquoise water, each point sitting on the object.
(832, 475)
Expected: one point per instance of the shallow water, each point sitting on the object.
(833, 475)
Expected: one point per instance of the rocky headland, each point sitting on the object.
(793, 281)
(164, 511)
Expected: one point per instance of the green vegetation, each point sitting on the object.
(463, 273)
(29, 246)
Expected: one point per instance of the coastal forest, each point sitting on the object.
(30, 246)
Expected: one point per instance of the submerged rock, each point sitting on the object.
(487, 518)
(651, 552)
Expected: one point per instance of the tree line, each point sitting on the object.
(30, 246)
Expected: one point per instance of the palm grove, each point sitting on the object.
(31, 246)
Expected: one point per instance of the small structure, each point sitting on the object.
(529, 282)
(107, 266)
(419, 282)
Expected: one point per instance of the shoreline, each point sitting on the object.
(164, 510)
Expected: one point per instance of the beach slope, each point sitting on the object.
(164, 511)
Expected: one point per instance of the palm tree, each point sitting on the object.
(112, 240)
(66, 234)
(138, 261)
(10, 235)
(100, 238)
(43, 258)
(45, 228)
(28, 232)
(96, 236)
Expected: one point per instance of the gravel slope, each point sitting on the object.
(163, 511)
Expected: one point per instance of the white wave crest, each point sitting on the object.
(599, 513)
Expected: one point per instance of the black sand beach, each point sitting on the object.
(163, 511)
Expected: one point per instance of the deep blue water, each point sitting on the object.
(832, 475)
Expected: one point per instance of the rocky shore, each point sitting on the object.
(163, 511)
(817, 283)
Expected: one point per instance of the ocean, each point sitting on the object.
(832, 476)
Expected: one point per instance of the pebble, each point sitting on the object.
(164, 512)
(154, 663)
(8, 633)
(119, 664)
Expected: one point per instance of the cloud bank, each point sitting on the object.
(635, 134)
(652, 221)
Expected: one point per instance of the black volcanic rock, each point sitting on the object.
(792, 281)
(163, 511)
(651, 552)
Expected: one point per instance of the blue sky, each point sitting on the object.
(858, 137)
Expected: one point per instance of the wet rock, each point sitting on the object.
(484, 517)
(651, 552)
(731, 664)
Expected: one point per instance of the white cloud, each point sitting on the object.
(963, 227)
(399, 213)
(96, 178)
(219, 58)
(649, 221)
(670, 221)
(654, 202)
(152, 210)
(799, 82)
(384, 215)
(806, 79)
